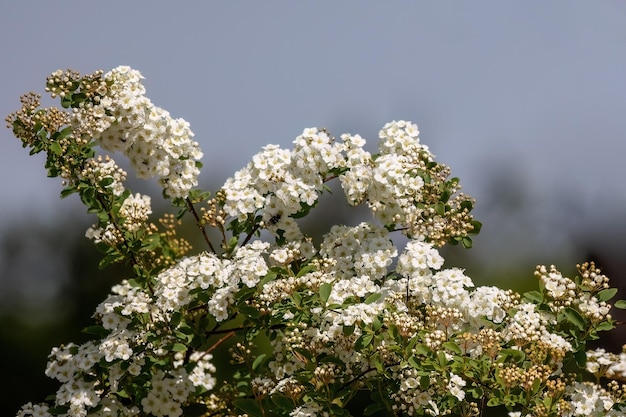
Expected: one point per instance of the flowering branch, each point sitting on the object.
(193, 211)
(307, 326)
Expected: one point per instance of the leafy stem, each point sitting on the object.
(193, 211)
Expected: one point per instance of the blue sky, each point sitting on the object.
(534, 90)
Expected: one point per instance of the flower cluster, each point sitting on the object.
(116, 114)
(112, 111)
(105, 174)
(214, 280)
(405, 187)
(307, 323)
(587, 399)
(562, 290)
(279, 183)
(607, 364)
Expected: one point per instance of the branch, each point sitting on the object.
(193, 211)
(222, 340)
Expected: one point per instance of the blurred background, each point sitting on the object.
(524, 100)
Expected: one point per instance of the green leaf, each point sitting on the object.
(249, 311)
(363, 341)
(513, 355)
(372, 298)
(232, 244)
(68, 191)
(55, 148)
(442, 358)
(325, 290)
(297, 299)
(452, 347)
(422, 349)
(467, 205)
(445, 195)
(414, 363)
(78, 98)
(282, 402)
(184, 332)
(374, 408)
(476, 227)
(605, 326)
(196, 195)
(98, 331)
(534, 297)
(305, 270)
(304, 210)
(378, 363)
(244, 294)
(621, 304)
(606, 294)
(178, 347)
(581, 358)
(573, 317)
(106, 181)
(258, 361)
(151, 242)
(376, 324)
(493, 401)
(62, 134)
(177, 316)
(248, 406)
(547, 402)
(66, 101)
(440, 208)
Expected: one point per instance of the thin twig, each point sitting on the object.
(356, 378)
(222, 340)
(252, 232)
(193, 211)
(133, 259)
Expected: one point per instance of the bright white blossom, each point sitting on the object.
(304, 322)
(456, 385)
(156, 144)
(588, 400)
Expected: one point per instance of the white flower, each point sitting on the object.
(448, 288)
(308, 410)
(135, 211)
(455, 386)
(154, 142)
(485, 302)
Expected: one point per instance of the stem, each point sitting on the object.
(219, 342)
(220, 226)
(193, 211)
(252, 232)
(356, 378)
(134, 260)
(240, 328)
(112, 220)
